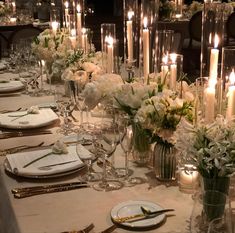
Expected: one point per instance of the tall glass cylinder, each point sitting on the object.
(131, 33)
(55, 19)
(178, 12)
(212, 38)
(148, 28)
(79, 9)
(108, 43)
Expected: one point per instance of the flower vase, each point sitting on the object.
(164, 161)
(141, 147)
(220, 184)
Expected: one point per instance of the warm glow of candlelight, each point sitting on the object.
(145, 22)
(78, 8)
(66, 4)
(109, 40)
(173, 57)
(73, 32)
(232, 78)
(165, 59)
(216, 41)
(130, 14)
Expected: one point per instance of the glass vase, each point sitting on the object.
(164, 161)
(141, 146)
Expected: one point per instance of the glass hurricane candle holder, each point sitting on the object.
(212, 38)
(131, 34)
(148, 25)
(108, 39)
(55, 19)
(79, 9)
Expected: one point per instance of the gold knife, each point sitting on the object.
(47, 186)
(49, 190)
(23, 134)
(141, 216)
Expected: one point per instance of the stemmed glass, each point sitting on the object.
(88, 157)
(65, 105)
(126, 142)
(103, 150)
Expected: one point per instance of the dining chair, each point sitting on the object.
(3, 45)
(230, 29)
(195, 28)
(24, 33)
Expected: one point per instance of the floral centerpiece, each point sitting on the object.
(166, 9)
(4, 9)
(211, 148)
(54, 49)
(154, 112)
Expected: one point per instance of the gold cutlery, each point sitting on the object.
(47, 186)
(144, 215)
(85, 230)
(48, 167)
(18, 149)
(49, 190)
(8, 111)
(137, 217)
(13, 134)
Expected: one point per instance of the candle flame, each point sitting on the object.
(232, 77)
(216, 41)
(173, 57)
(83, 31)
(130, 14)
(109, 40)
(145, 21)
(54, 25)
(66, 4)
(78, 8)
(210, 38)
(212, 82)
(73, 32)
(165, 59)
(13, 4)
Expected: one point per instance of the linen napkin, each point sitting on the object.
(12, 85)
(18, 160)
(44, 117)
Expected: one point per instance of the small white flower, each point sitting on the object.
(33, 110)
(59, 148)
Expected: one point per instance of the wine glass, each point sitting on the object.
(102, 150)
(126, 142)
(220, 225)
(88, 157)
(65, 106)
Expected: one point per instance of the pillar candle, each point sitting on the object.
(214, 59)
(130, 36)
(79, 23)
(66, 13)
(173, 72)
(164, 69)
(84, 40)
(73, 37)
(13, 7)
(231, 97)
(54, 26)
(109, 41)
(146, 50)
(209, 104)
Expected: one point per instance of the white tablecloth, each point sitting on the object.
(57, 212)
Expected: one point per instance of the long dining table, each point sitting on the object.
(75, 209)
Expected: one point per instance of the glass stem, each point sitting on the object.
(126, 165)
(104, 178)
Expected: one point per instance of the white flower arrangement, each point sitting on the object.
(101, 89)
(210, 147)
(48, 46)
(4, 9)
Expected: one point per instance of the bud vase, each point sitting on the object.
(164, 161)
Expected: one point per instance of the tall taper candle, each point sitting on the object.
(129, 30)
(146, 49)
(231, 97)
(214, 59)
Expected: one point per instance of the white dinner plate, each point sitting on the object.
(43, 118)
(53, 165)
(11, 86)
(130, 208)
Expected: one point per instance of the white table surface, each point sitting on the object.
(73, 210)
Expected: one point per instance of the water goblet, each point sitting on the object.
(88, 157)
(102, 150)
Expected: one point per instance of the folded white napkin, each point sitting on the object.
(43, 118)
(11, 86)
(83, 153)
(18, 160)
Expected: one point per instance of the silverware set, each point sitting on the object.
(13, 134)
(43, 189)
